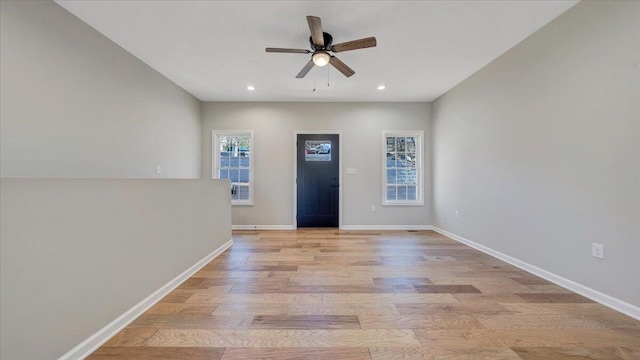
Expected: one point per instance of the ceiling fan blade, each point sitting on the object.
(355, 44)
(291, 51)
(342, 67)
(305, 70)
(315, 26)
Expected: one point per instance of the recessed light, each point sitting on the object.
(381, 87)
(250, 88)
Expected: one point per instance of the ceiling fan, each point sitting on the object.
(321, 44)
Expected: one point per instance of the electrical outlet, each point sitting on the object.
(597, 250)
(457, 214)
(158, 169)
(373, 208)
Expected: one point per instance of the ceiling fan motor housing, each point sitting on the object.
(328, 41)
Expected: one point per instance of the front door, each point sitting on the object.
(317, 180)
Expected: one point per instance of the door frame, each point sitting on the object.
(295, 171)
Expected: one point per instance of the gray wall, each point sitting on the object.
(74, 104)
(361, 123)
(540, 150)
(77, 253)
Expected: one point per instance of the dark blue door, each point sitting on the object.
(317, 180)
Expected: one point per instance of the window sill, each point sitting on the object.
(403, 203)
(241, 203)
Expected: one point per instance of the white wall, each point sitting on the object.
(361, 125)
(540, 150)
(74, 104)
(77, 253)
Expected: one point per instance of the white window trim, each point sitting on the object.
(419, 134)
(215, 159)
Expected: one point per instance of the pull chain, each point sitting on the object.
(328, 71)
(314, 81)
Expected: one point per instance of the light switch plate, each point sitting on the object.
(351, 171)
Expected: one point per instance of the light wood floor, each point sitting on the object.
(329, 294)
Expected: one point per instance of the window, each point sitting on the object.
(233, 159)
(402, 168)
(317, 150)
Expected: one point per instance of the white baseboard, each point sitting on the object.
(386, 227)
(96, 340)
(604, 299)
(343, 227)
(263, 227)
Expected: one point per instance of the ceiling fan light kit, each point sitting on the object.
(321, 44)
(321, 58)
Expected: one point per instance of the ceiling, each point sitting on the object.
(215, 49)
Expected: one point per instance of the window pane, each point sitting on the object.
(317, 150)
(411, 160)
(234, 161)
(402, 193)
(244, 160)
(391, 160)
(410, 177)
(411, 193)
(233, 175)
(401, 160)
(224, 173)
(224, 161)
(400, 144)
(401, 176)
(411, 144)
(391, 192)
(391, 176)
(391, 144)
(224, 143)
(243, 192)
(244, 175)
(234, 192)
(234, 143)
(243, 144)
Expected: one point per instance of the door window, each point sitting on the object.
(317, 150)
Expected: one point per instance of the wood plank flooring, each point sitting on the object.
(330, 294)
